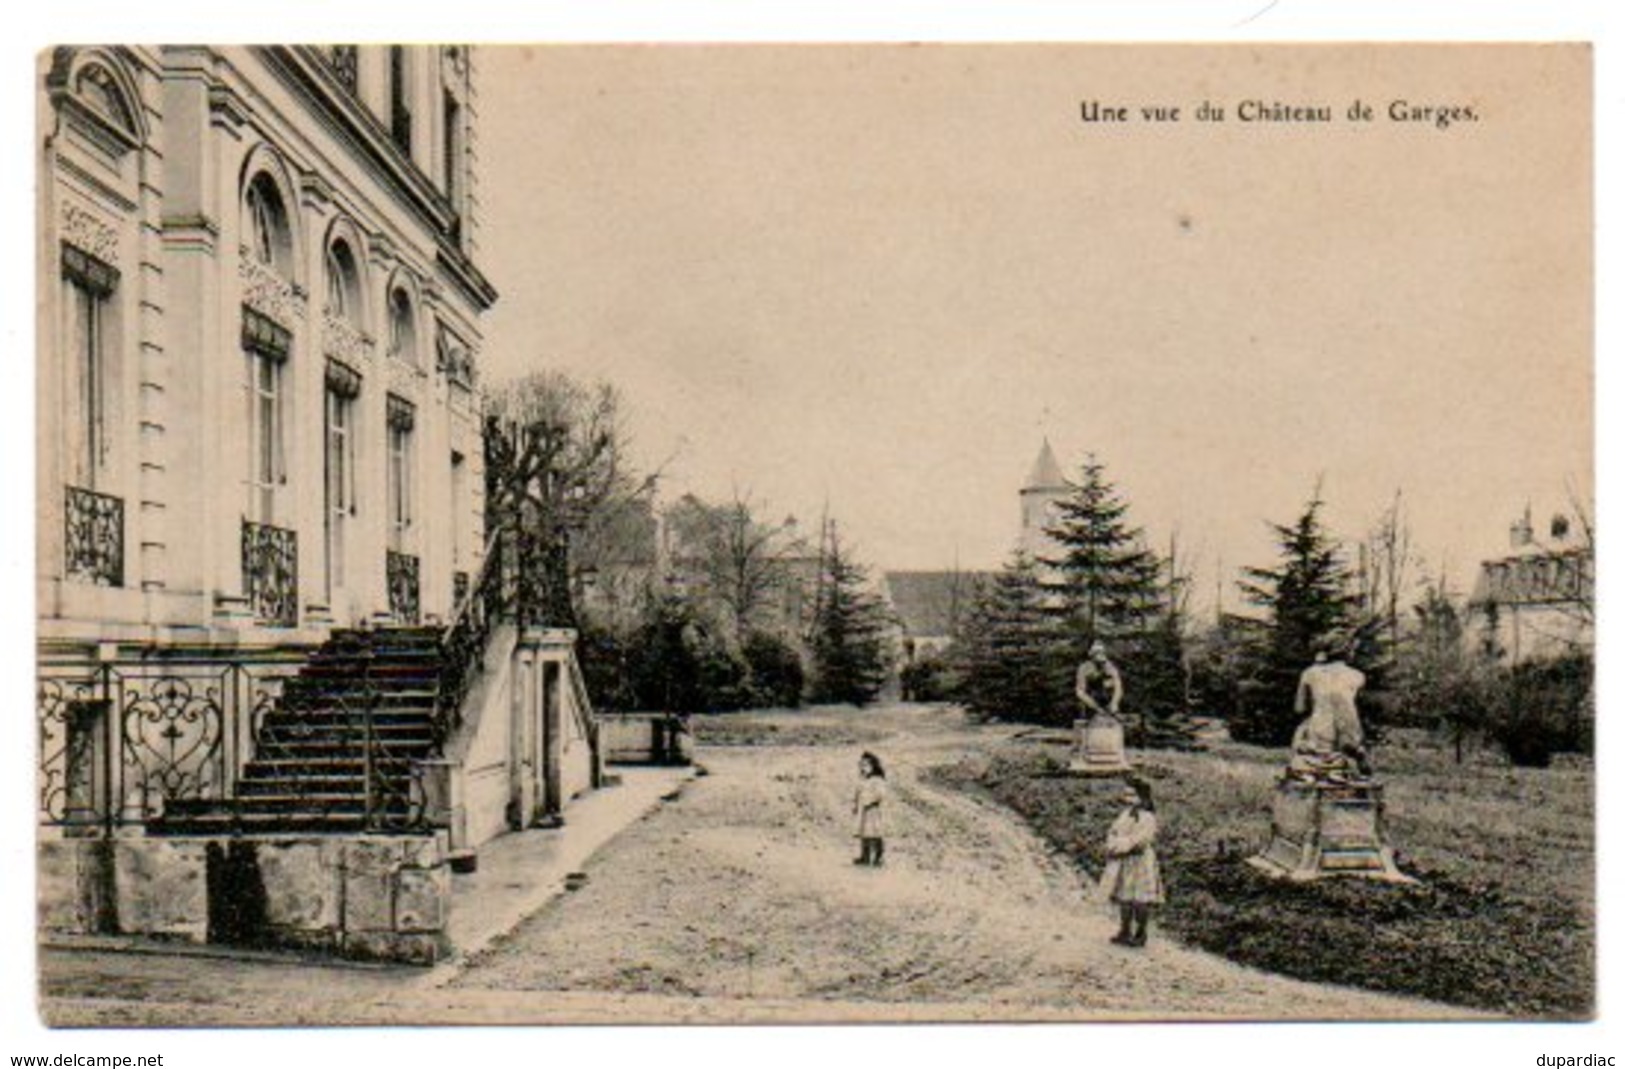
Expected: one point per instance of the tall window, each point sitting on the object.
(85, 310)
(265, 419)
(459, 487)
(343, 385)
(400, 100)
(266, 345)
(401, 416)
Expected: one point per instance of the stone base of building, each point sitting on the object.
(1321, 830)
(1098, 749)
(377, 898)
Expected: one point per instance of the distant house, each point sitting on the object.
(928, 607)
(1536, 602)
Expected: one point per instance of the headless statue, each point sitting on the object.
(1330, 744)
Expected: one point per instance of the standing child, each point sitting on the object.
(869, 806)
(1132, 875)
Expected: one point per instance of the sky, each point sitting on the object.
(879, 277)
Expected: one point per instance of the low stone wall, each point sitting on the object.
(382, 898)
(643, 739)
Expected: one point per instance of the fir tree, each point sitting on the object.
(1110, 587)
(1108, 580)
(849, 632)
(1308, 600)
(1012, 653)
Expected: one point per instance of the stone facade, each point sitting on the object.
(252, 261)
(216, 225)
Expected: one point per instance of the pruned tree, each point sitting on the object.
(555, 458)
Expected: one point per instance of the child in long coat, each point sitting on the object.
(1132, 876)
(869, 807)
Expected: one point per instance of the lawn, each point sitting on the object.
(1503, 918)
(780, 727)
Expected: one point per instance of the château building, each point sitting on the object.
(256, 384)
(277, 663)
(1538, 601)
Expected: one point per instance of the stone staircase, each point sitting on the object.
(335, 752)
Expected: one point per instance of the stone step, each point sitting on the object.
(227, 822)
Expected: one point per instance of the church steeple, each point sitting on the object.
(1045, 487)
(1046, 473)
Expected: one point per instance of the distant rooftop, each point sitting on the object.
(927, 603)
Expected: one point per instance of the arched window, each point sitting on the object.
(403, 333)
(343, 283)
(96, 86)
(266, 225)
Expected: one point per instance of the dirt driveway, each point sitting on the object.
(740, 896)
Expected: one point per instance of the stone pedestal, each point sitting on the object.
(1328, 829)
(1099, 749)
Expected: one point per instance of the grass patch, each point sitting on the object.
(779, 727)
(1503, 920)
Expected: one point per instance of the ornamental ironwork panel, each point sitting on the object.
(71, 706)
(271, 573)
(172, 725)
(95, 537)
(401, 571)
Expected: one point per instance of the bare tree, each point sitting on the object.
(1388, 567)
(739, 559)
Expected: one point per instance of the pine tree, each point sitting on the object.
(1112, 588)
(1012, 652)
(849, 632)
(1108, 580)
(1308, 599)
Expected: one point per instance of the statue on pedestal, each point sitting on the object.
(1328, 815)
(1330, 743)
(1099, 746)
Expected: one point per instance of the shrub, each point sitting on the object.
(1542, 708)
(604, 665)
(776, 671)
(928, 678)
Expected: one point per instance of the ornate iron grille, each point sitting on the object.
(401, 571)
(120, 742)
(462, 646)
(271, 573)
(95, 537)
(125, 743)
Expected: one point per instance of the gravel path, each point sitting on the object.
(742, 889)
